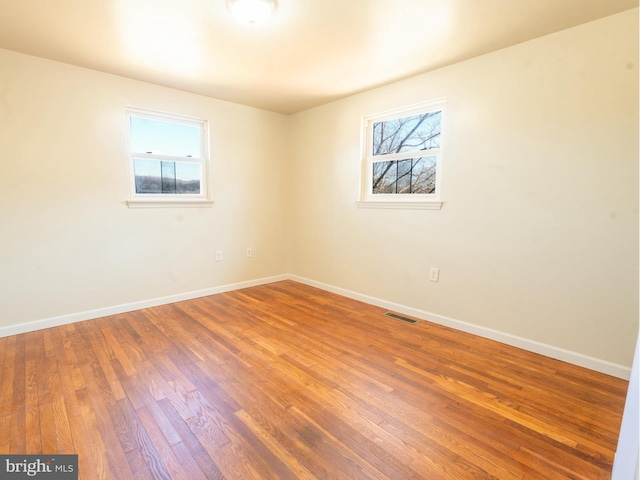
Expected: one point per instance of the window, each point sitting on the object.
(402, 157)
(168, 159)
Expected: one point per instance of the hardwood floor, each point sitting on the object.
(284, 381)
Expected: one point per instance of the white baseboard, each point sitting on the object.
(129, 307)
(591, 363)
(568, 356)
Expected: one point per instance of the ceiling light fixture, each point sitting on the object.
(252, 12)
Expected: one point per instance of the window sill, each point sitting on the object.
(406, 205)
(169, 203)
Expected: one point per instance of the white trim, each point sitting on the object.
(166, 203)
(407, 110)
(568, 356)
(416, 205)
(129, 307)
(169, 200)
(579, 359)
(365, 195)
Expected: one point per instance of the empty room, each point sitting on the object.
(319, 239)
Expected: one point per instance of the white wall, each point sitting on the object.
(69, 242)
(538, 234)
(537, 237)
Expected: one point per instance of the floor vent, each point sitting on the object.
(401, 318)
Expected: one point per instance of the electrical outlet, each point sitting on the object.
(249, 252)
(218, 255)
(434, 274)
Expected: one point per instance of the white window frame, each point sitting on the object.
(143, 200)
(368, 199)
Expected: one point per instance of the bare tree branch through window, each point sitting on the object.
(413, 134)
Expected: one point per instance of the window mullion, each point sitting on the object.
(389, 157)
(168, 158)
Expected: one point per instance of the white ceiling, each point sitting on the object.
(311, 52)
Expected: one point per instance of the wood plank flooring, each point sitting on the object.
(284, 381)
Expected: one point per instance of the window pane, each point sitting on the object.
(167, 138)
(168, 177)
(414, 175)
(404, 177)
(157, 177)
(148, 175)
(188, 178)
(384, 177)
(423, 175)
(406, 134)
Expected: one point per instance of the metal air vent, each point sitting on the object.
(401, 318)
